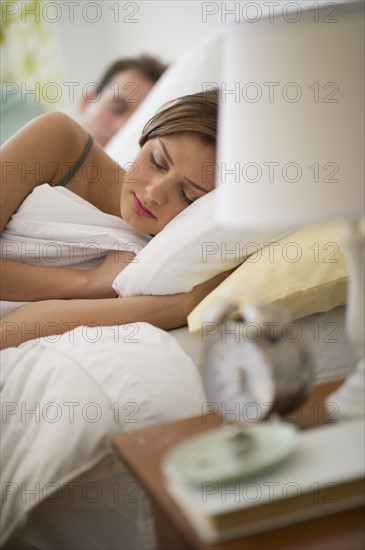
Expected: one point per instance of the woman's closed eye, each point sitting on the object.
(155, 163)
(187, 200)
(184, 196)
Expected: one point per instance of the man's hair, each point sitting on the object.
(149, 67)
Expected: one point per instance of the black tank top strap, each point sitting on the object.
(70, 174)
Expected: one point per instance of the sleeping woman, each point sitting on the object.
(167, 175)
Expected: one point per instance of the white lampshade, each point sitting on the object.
(291, 138)
(291, 122)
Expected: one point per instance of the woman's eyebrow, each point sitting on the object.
(165, 151)
(172, 163)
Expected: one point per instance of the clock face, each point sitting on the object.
(239, 379)
(246, 379)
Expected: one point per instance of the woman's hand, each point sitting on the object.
(102, 277)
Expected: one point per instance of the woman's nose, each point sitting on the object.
(157, 190)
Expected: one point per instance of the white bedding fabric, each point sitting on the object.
(86, 386)
(56, 227)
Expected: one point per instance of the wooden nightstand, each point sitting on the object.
(142, 451)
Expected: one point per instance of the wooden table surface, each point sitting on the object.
(142, 451)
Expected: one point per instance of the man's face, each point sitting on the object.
(103, 115)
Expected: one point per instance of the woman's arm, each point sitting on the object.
(30, 283)
(54, 317)
(41, 152)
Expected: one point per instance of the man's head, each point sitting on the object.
(121, 89)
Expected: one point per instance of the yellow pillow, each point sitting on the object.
(306, 272)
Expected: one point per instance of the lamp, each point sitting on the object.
(291, 137)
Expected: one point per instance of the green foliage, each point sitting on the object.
(29, 46)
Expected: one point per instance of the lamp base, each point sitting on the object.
(350, 397)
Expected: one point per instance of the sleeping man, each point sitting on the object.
(121, 89)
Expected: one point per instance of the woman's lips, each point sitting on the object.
(141, 209)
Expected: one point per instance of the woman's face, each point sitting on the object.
(169, 173)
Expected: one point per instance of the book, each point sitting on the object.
(324, 475)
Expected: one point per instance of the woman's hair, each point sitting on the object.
(196, 113)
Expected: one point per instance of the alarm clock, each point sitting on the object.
(254, 363)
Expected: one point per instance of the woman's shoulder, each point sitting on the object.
(61, 128)
(53, 120)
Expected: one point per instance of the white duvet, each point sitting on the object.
(55, 227)
(63, 398)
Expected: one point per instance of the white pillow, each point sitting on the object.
(191, 249)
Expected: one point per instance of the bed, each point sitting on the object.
(63, 486)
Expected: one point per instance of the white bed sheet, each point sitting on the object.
(54, 227)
